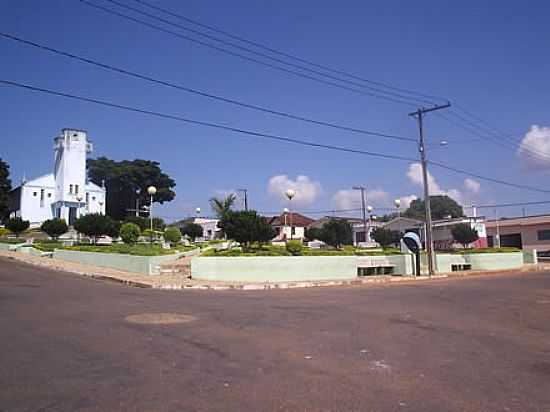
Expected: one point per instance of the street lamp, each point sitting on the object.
(198, 211)
(397, 203)
(151, 190)
(367, 234)
(290, 193)
(285, 213)
(363, 201)
(138, 191)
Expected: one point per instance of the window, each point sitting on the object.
(543, 235)
(41, 197)
(93, 197)
(76, 189)
(49, 195)
(293, 231)
(71, 189)
(34, 194)
(87, 201)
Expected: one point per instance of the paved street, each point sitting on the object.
(76, 344)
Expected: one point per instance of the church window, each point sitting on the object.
(34, 194)
(71, 189)
(76, 189)
(49, 195)
(93, 197)
(41, 197)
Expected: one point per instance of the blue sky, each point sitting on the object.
(491, 60)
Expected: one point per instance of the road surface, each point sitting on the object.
(74, 344)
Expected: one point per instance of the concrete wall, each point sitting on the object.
(149, 265)
(11, 246)
(480, 261)
(274, 268)
(402, 264)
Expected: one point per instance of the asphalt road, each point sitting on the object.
(477, 344)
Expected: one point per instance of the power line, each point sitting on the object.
(261, 135)
(242, 56)
(287, 55)
(541, 202)
(488, 179)
(208, 124)
(201, 93)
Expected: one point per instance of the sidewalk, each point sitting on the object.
(179, 281)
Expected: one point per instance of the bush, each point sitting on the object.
(192, 230)
(17, 225)
(386, 237)
(294, 247)
(336, 232)
(246, 227)
(172, 235)
(54, 227)
(95, 225)
(4, 231)
(141, 221)
(130, 232)
(464, 234)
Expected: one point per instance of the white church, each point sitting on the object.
(66, 193)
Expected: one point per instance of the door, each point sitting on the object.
(72, 215)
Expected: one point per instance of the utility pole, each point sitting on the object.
(363, 208)
(245, 191)
(424, 162)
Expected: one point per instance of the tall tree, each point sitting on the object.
(336, 232)
(442, 206)
(464, 234)
(5, 187)
(221, 206)
(125, 178)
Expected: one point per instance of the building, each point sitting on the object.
(66, 193)
(529, 232)
(290, 226)
(443, 237)
(210, 229)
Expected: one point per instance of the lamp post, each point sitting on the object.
(290, 193)
(397, 203)
(363, 201)
(151, 190)
(285, 214)
(198, 211)
(367, 233)
(138, 191)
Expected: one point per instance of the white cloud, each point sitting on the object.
(406, 201)
(534, 149)
(472, 185)
(351, 199)
(307, 191)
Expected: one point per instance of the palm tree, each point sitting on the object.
(221, 206)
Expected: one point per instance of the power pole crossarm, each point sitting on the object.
(424, 162)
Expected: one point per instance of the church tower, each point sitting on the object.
(71, 148)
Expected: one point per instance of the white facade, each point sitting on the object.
(66, 193)
(210, 229)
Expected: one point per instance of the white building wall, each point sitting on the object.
(35, 208)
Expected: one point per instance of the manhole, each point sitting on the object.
(160, 318)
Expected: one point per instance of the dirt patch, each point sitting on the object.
(159, 318)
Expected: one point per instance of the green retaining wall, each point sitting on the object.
(11, 246)
(274, 268)
(480, 261)
(402, 264)
(149, 265)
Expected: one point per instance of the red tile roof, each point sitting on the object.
(296, 218)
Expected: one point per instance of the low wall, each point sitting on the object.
(402, 264)
(11, 246)
(530, 256)
(149, 265)
(480, 261)
(274, 268)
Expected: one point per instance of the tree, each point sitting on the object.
(17, 225)
(192, 230)
(123, 178)
(441, 206)
(145, 223)
(336, 232)
(95, 225)
(386, 237)
(54, 227)
(312, 233)
(246, 227)
(5, 188)
(294, 247)
(130, 232)
(464, 234)
(221, 206)
(172, 235)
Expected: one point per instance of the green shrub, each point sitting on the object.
(17, 225)
(4, 231)
(54, 227)
(130, 232)
(95, 225)
(294, 247)
(172, 235)
(192, 230)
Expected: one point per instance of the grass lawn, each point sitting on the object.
(12, 241)
(269, 250)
